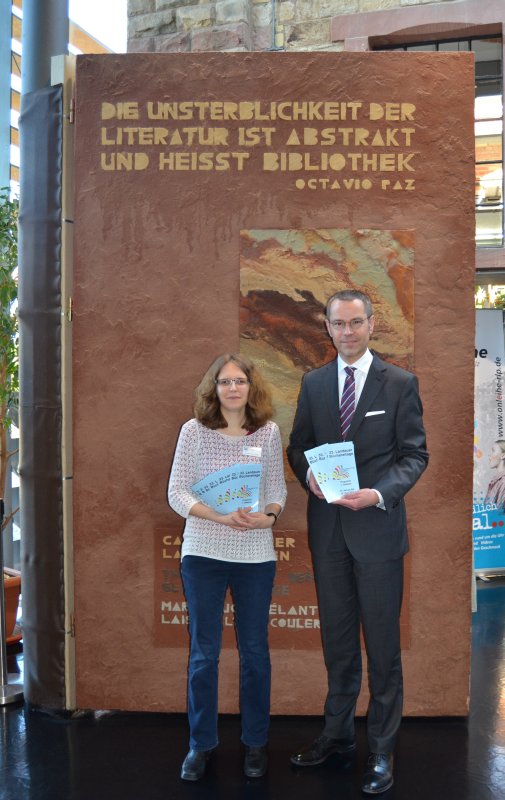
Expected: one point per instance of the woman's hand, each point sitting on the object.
(239, 520)
(244, 519)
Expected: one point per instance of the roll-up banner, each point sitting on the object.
(489, 446)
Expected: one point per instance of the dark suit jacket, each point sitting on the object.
(390, 450)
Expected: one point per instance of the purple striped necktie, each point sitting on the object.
(348, 402)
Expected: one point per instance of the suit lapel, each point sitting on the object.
(373, 384)
(330, 391)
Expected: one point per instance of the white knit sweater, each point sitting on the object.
(201, 451)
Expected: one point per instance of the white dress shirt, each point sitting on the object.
(361, 368)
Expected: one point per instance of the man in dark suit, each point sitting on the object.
(358, 542)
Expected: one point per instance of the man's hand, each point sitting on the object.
(314, 486)
(363, 498)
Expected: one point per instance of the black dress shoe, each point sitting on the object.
(255, 762)
(320, 749)
(195, 764)
(378, 776)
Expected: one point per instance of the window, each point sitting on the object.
(488, 130)
(489, 293)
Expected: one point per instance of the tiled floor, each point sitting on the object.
(137, 756)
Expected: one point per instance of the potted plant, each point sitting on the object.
(8, 377)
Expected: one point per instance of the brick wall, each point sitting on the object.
(166, 26)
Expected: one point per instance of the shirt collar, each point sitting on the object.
(362, 364)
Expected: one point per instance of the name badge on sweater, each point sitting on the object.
(252, 451)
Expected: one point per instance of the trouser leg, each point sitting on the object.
(380, 588)
(340, 631)
(205, 584)
(251, 587)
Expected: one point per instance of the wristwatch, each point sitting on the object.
(272, 514)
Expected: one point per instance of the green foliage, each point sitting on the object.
(499, 301)
(9, 381)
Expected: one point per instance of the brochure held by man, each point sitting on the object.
(334, 468)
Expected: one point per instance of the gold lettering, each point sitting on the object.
(160, 110)
(328, 136)
(361, 137)
(284, 542)
(124, 161)
(108, 111)
(253, 136)
(205, 136)
(246, 110)
(192, 161)
(230, 110)
(404, 162)
(366, 162)
(392, 112)
(104, 139)
(176, 138)
(270, 162)
(120, 110)
(293, 138)
(310, 136)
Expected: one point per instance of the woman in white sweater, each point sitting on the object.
(228, 549)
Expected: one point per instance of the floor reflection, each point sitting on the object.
(133, 756)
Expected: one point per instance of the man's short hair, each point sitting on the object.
(351, 294)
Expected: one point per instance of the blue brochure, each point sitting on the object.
(334, 468)
(231, 488)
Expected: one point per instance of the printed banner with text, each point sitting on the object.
(489, 444)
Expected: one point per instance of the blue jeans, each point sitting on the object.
(205, 583)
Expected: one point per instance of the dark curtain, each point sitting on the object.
(40, 415)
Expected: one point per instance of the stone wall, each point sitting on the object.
(168, 26)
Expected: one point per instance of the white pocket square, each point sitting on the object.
(373, 413)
